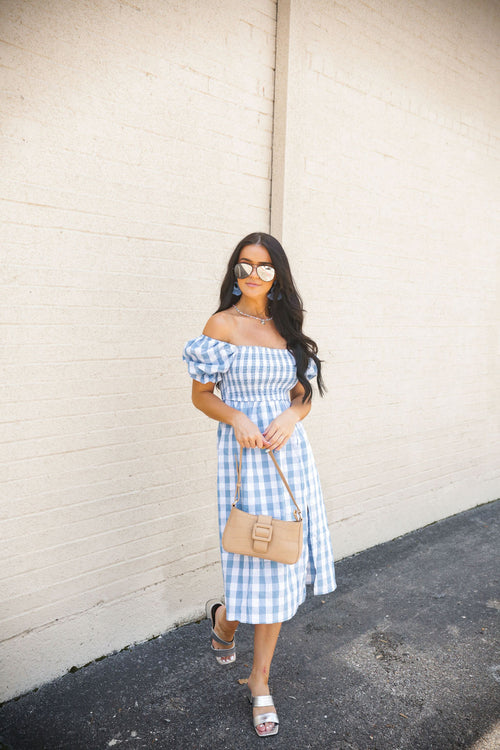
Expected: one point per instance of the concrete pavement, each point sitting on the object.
(403, 656)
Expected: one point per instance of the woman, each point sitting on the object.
(254, 350)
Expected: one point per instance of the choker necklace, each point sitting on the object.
(261, 320)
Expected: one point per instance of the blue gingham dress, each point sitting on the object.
(257, 380)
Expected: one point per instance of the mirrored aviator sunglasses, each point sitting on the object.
(264, 272)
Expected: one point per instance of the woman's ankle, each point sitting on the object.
(258, 682)
(225, 628)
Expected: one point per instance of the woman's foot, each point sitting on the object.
(260, 688)
(224, 631)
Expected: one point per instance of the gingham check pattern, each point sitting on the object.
(257, 381)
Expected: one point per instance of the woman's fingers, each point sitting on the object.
(276, 434)
(280, 430)
(248, 434)
(280, 442)
(275, 431)
(253, 441)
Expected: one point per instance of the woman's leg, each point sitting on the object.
(265, 639)
(225, 629)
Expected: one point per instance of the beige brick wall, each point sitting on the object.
(136, 142)
(136, 150)
(386, 187)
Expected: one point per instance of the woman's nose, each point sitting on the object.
(254, 272)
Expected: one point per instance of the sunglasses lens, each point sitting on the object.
(242, 270)
(265, 273)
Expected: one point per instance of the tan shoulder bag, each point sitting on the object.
(263, 536)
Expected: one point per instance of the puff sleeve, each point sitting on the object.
(312, 369)
(207, 358)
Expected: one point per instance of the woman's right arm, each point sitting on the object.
(246, 432)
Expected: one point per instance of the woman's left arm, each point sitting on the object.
(282, 426)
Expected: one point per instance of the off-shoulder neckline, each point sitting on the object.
(247, 346)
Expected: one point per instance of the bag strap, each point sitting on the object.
(297, 512)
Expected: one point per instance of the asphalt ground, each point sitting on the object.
(404, 655)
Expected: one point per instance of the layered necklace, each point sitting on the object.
(263, 321)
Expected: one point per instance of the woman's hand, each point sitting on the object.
(280, 430)
(247, 433)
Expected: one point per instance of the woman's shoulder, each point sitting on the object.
(209, 355)
(220, 326)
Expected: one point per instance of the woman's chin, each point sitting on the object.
(254, 291)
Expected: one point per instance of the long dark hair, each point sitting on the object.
(287, 311)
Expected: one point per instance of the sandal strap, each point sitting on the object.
(219, 639)
(262, 700)
(265, 718)
(224, 651)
